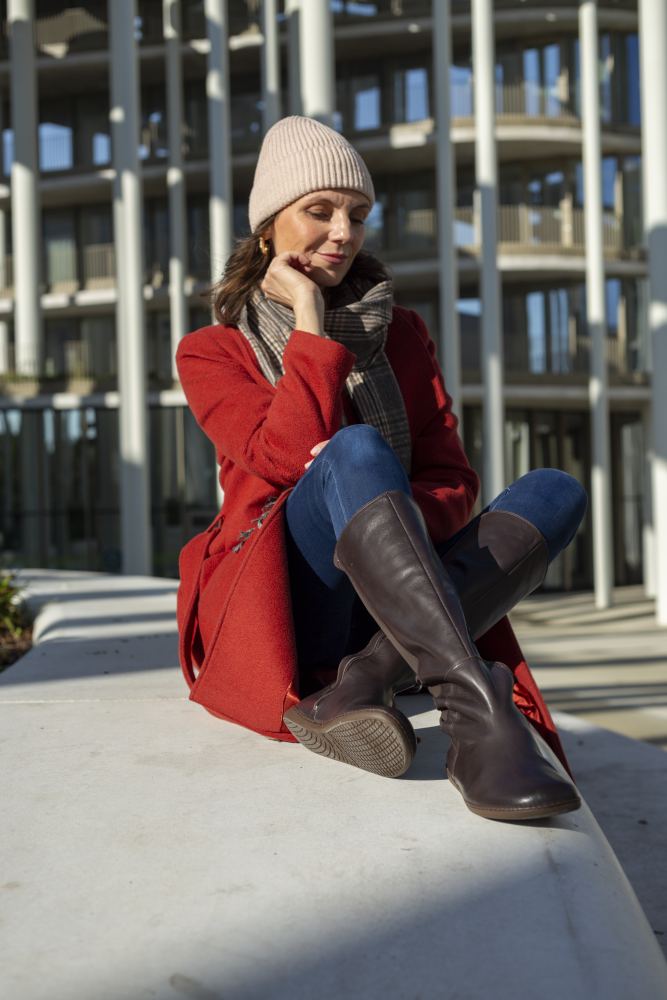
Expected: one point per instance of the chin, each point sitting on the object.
(325, 279)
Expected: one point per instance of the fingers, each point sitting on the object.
(286, 276)
(315, 450)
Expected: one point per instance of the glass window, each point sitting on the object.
(93, 131)
(415, 211)
(199, 253)
(559, 330)
(411, 100)
(537, 334)
(195, 113)
(532, 81)
(612, 287)
(609, 169)
(470, 316)
(62, 348)
(606, 75)
(461, 91)
(59, 247)
(96, 225)
(153, 144)
(633, 230)
(7, 150)
(246, 120)
(156, 240)
(551, 56)
(375, 224)
(98, 342)
(632, 79)
(56, 146)
(367, 105)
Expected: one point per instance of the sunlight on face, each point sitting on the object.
(328, 226)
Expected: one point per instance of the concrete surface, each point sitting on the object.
(151, 850)
(608, 667)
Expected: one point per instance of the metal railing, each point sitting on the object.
(98, 262)
(539, 226)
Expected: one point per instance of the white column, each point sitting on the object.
(316, 61)
(136, 541)
(648, 533)
(653, 46)
(219, 142)
(448, 331)
(24, 190)
(293, 15)
(4, 326)
(270, 65)
(178, 309)
(603, 553)
(486, 169)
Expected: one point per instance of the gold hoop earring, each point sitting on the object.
(263, 246)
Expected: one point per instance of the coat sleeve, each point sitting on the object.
(266, 430)
(444, 484)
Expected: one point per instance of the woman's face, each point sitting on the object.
(327, 225)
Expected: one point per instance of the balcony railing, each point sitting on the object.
(98, 263)
(70, 359)
(540, 227)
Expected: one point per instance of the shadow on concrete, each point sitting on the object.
(52, 660)
(39, 600)
(613, 697)
(624, 782)
(104, 620)
(390, 942)
(585, 662)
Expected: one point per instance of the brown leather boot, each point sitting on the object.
(500, 559)
(497, 761)
(354, 719)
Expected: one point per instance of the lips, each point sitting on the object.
(332, 257)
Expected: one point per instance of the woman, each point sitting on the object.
(343, 542)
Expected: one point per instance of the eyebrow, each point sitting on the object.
(328, 201)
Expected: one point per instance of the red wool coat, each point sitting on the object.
(236, 631)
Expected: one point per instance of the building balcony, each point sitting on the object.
(95, 268)
(82, 28)
(570, 364)
(521, 229)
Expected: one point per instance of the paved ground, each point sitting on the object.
(608, 667)
(150, 850)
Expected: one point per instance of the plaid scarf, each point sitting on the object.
(357, 315)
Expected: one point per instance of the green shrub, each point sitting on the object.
(13, 619)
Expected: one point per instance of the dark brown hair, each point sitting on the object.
(245, 269)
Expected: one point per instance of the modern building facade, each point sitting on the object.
(210, 77)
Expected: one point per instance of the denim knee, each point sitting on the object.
(358, 445)
(553, 500)
(550, 483)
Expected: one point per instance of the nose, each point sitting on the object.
(341, 228)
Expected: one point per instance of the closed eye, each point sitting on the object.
(322, 215)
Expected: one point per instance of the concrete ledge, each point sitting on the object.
(152, 850)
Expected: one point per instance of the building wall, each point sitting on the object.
(58, 425)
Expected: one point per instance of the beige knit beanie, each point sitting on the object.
(299, 155)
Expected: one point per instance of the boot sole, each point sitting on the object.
(518, 814)
(381, 741)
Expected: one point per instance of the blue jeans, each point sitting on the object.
(355, 466)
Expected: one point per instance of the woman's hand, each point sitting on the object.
(287, 281)
(315, 450)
